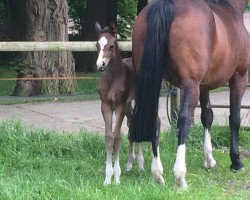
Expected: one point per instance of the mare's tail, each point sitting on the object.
(156, 52)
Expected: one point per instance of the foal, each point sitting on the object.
(116, 90)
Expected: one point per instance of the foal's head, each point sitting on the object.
(106, 45)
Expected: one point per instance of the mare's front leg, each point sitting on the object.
(107, 114)
(131, 154)
(156, 166)
(207, 120)
(237, 88)
(188, 104)
(119, 112)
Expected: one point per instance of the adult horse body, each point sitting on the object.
(197, 46)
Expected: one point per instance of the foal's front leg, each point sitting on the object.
(107, 114)
(119, 112)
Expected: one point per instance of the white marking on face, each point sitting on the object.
(102, 42)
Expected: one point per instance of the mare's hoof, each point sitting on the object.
(159, 180)
(237, 168)
(181, 184)
(209, 164)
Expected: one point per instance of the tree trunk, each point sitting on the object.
(42, 20)
(140, 5)
(104, 13)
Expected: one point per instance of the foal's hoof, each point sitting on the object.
(107, 182)
(128, 167)
(140, 168)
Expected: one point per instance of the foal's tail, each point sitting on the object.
(156, 53)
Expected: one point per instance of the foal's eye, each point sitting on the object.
(111, 47)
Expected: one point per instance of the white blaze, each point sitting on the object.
(102, 42)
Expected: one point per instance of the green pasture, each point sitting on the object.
(43, 164)
(83, 86)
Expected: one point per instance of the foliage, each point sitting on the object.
(40, 164)
(126, 17)
(248, 7)
(76, 13)
(3, 11)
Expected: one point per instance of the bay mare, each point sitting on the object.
(116, 88)
(197, 46)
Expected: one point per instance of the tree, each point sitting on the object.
(140, 5)
(41, 20)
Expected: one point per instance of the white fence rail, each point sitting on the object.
(86, 46)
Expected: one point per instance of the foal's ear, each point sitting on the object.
(113, 29)
(98, 27)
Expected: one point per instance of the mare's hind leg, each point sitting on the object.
(119, 112)
(109, 141)
(237, 87)
(207, 120)
(188, 104)
(156, 166)
(131, 155)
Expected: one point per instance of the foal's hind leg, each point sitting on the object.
(207, 120)
(237, 87)
(131, 155)
(109, 141)
(156, 166)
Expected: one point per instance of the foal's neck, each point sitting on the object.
(115, 67)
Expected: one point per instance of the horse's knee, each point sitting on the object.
(109, 141)
(207, 117)
(117, 142)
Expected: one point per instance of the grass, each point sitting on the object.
(40, 164)
(83, 86)
(7, 87)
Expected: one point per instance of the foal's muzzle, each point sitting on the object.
(101, 68)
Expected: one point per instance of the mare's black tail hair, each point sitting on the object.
(156, 52)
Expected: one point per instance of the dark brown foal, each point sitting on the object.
(116, 89)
